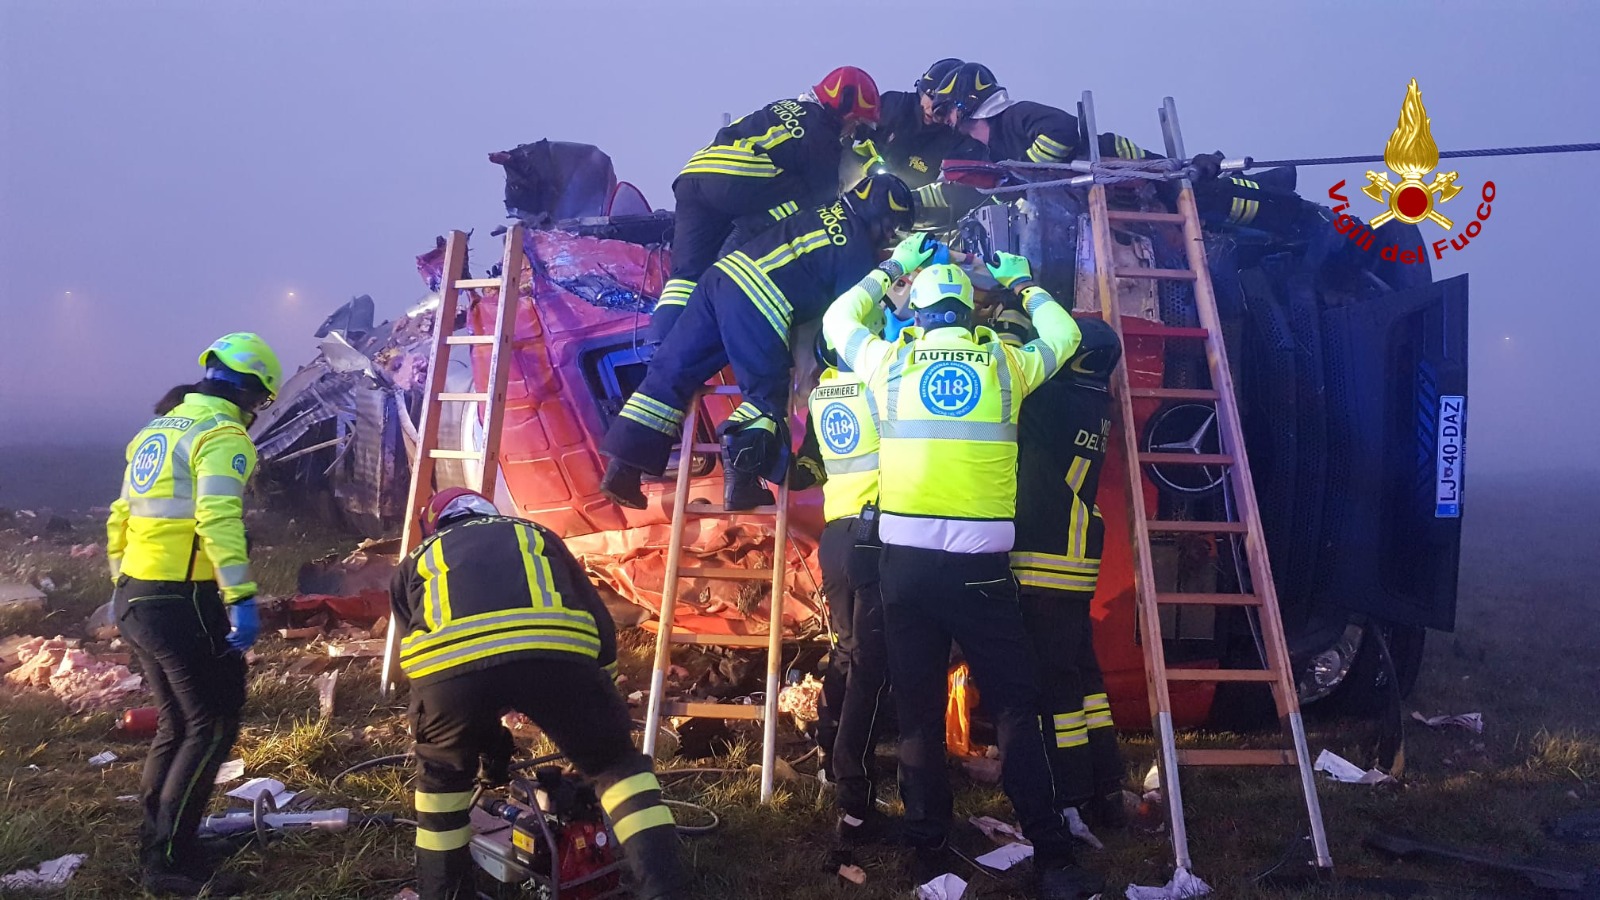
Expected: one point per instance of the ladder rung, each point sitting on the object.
(1259, 675)
(1208, 600)
(456, 454)
(1168, 526)
(469, 284)
(1186, 459)
(1173, 394)
(713, 710)
(459, 339)
(469, 397)
(724, 573)
(1159, 274)
(712, 509)
(1134, 215)
(1146, 328)
(722, 390)
(703, 448)
(1235, 757)
(720, 640)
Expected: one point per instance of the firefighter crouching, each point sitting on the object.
(741, 313)
(947, 403)
(183, 595)
(497, 615)
(1061, 449)
(842, 441)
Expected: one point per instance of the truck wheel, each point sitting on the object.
(1365, 691)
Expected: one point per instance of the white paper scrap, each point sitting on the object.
(1341, 769)
(1472, 721)
(1005, 856)
(102, 759)
(54, 873)
(945, 887)
(255, 787)
(232, 769)
(1182, 886)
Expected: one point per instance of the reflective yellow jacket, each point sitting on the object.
(181, 513)
(948, 402)
(846, 426)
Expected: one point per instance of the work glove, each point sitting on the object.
(1207, 166)
(1011, 270)
(246, 622)
(893, 324)
(909, 255)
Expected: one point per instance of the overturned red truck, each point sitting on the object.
(1343, 363)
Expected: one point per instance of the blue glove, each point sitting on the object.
(893, 325)
(246, 622)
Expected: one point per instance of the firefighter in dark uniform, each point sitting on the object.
(947, 401)
(913, 141)
(497, 615)
(970, 101)
(778, 160)
(840, 451)
(184, 598)
(741, 313)
(1061, 447)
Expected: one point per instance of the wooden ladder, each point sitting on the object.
(428, 453)
(1259, 596)
(659, 706)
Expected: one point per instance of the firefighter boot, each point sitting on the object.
(621, 484)
(741, 486)
(655, 860)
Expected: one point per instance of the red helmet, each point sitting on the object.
(453, 503)
(851, 93)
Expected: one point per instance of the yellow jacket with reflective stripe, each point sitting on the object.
(846, 425)
(948, 402)
(181, 513)
(491, 589)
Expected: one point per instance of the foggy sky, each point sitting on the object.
(181, 168)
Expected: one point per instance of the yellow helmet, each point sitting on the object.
(247, 354)
(938, 282)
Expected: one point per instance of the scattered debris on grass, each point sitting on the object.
(231, 770)
(1341, 769)
(272, 787)
(1183, 885)
(1472, 721)
(81, 680)
(853, 874)
(16, 595)
(102, 759)
(52, 874)
(945, 887)
(1005, 856)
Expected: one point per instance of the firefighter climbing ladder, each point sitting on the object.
(451, 284)
(1259, 594)
(676, 572)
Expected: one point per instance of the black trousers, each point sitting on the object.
(706, 209)
(855, 687)
(719, 326)
(931, 598)
(1082, 737)
(456, 720)
(178, 631)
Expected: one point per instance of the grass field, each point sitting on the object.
(1524, 655)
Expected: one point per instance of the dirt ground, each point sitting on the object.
(1524, 655)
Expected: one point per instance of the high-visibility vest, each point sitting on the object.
(181, 513)
(847, 439)
(947, 403)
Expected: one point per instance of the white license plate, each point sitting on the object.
(1448, 457)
